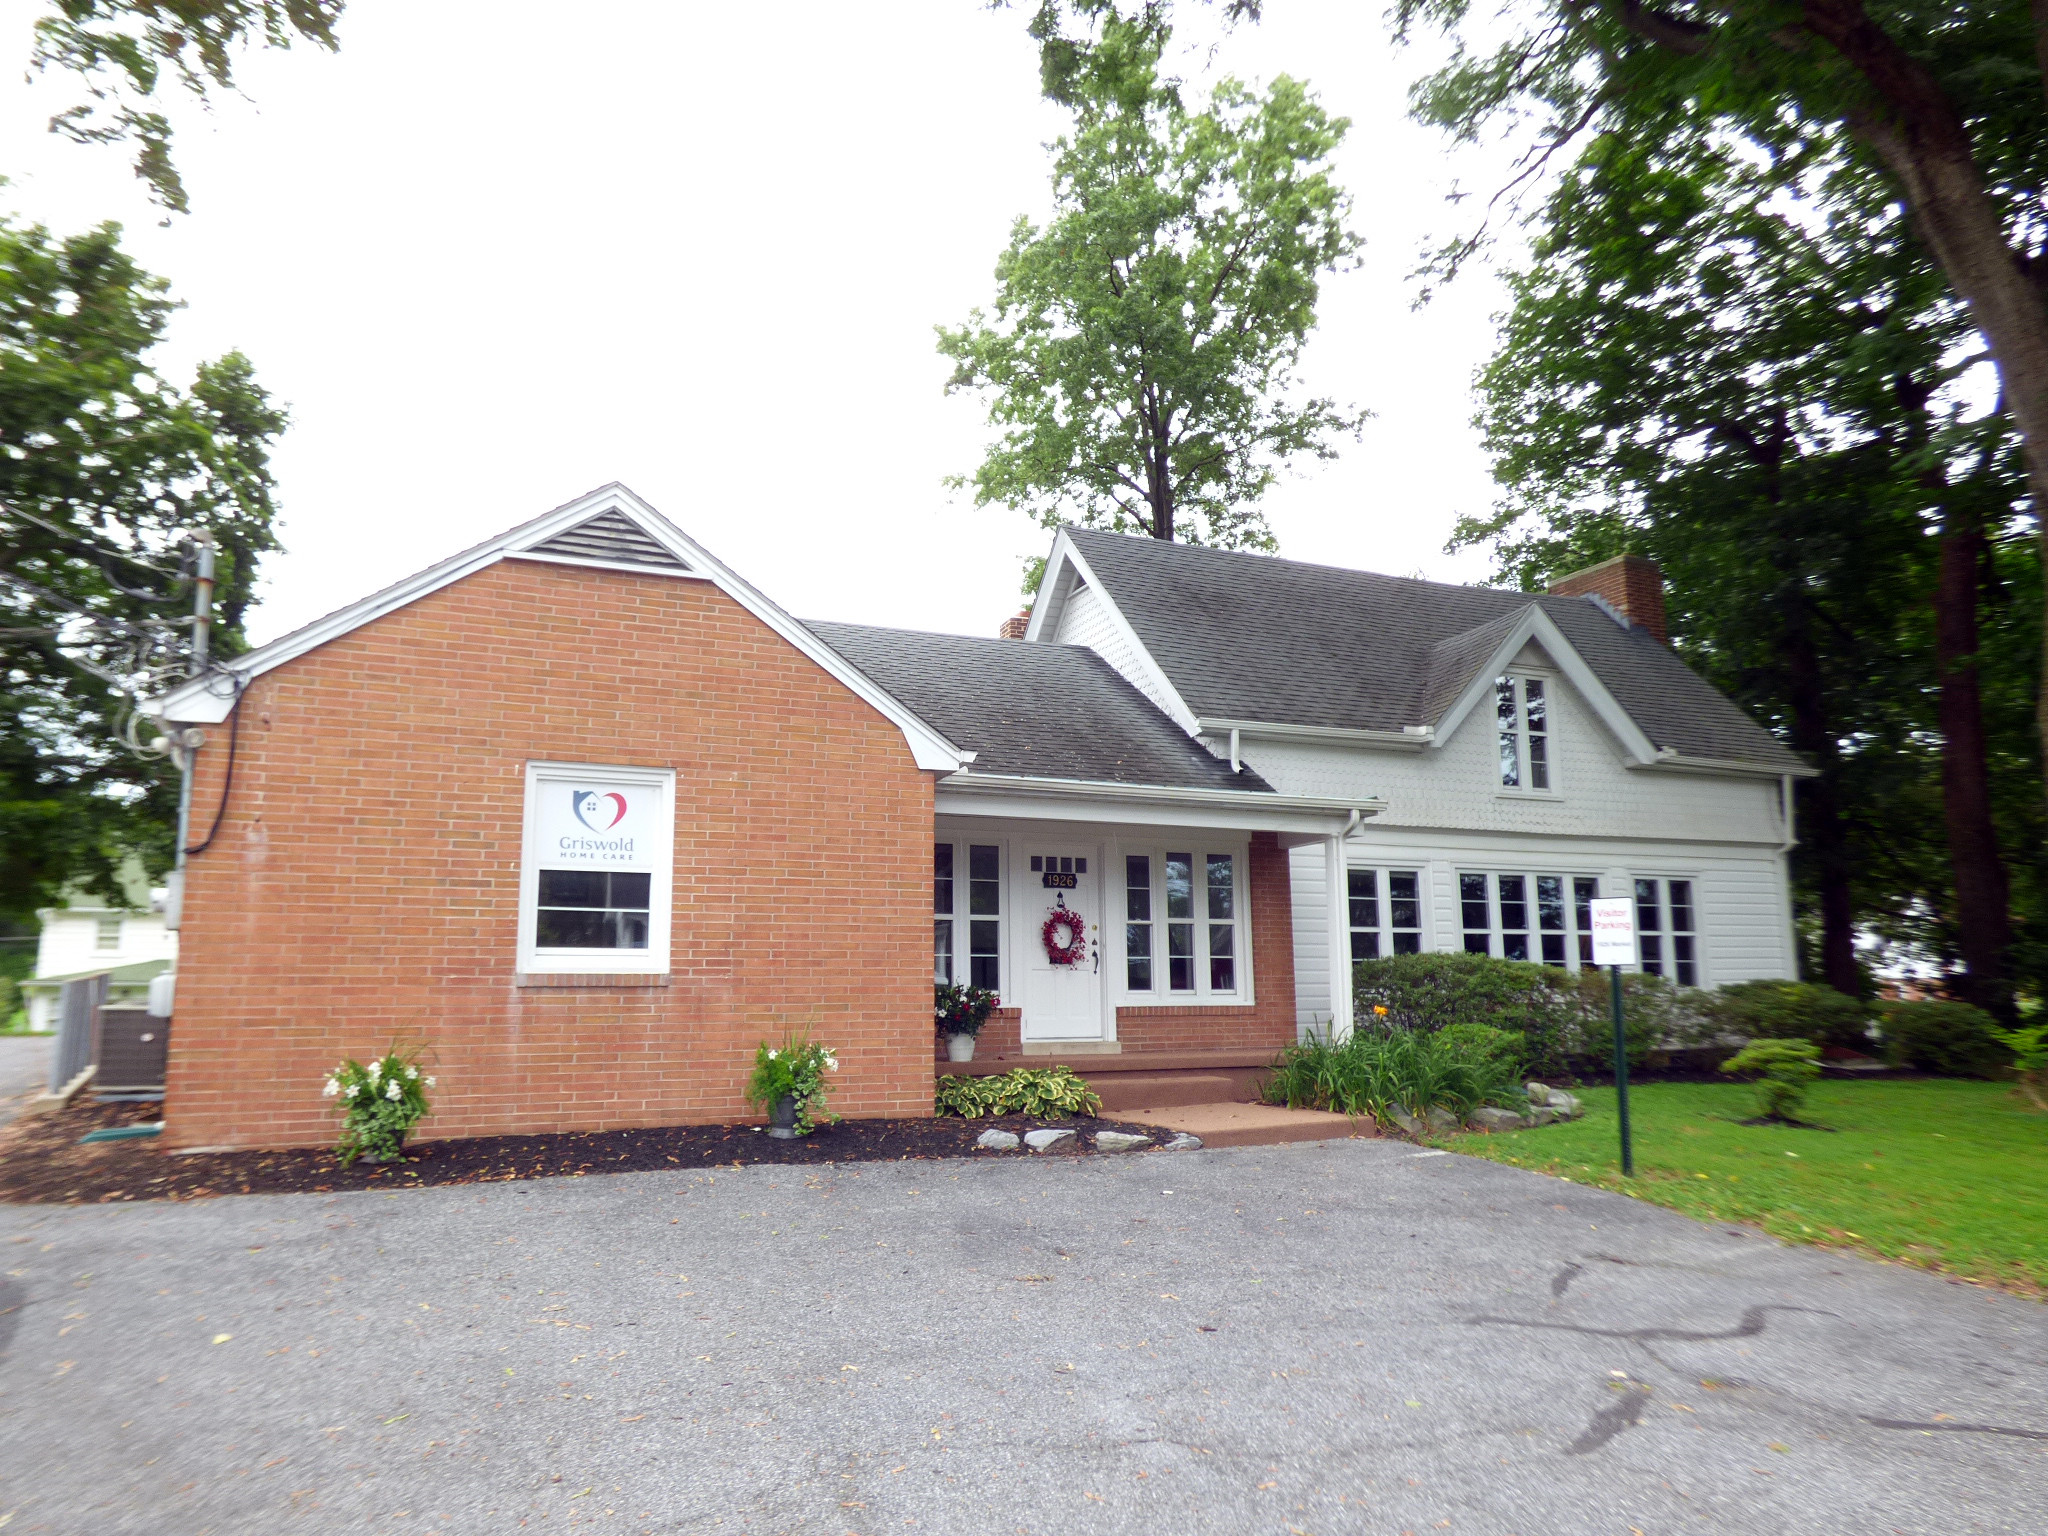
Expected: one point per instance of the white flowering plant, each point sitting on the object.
(796, 1069)
(380, 1103)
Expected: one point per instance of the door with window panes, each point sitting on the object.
(1060, 1002)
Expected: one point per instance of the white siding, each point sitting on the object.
(1086, 619)
(1310, 890)
(69, 941)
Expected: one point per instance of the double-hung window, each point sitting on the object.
(597, 870)
(1667, 937)
(1184, 920)
(1529, 916)
(1521, 708)
(1385, 912)
(967, 914)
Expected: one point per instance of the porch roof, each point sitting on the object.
(1057, 712)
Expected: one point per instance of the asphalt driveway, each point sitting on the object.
(1352, 1337)
(24, 1070)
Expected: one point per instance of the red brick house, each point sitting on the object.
(588, 817)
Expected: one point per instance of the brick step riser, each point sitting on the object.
(1134, 1092)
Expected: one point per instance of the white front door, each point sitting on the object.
(1062, 995)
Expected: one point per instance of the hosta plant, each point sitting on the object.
(795, 1069)
(1047, 1092)
(380, 1103)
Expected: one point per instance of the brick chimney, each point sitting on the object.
(1631, 585)
(1013, 628)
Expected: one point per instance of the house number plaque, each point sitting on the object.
(1054, 880)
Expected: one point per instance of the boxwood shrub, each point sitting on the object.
(1947, 1039)
(1792, 1010)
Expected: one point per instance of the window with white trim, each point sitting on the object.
(1546, 918)
(107, 931)
(967, 926)
(596, 870)
(1667, 935)
(1521, 707)
(1184, 925)
(1385, 912)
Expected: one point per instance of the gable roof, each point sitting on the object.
(610, 528)
(1036, 711)
(1252, 638)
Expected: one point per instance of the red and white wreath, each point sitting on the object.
(1065, 936)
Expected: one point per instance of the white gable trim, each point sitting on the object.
(1535, 624)
(1045, 614)
(206, 700)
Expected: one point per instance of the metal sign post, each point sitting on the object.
(1614, 946)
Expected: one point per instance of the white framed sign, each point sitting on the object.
(597, 869)
(1614, 930)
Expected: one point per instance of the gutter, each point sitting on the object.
(1667, 757)
(1410, 738)
(1108, 789)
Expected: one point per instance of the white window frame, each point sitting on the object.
(963, 846)
(1115, 884)
(1383, 927)
(107, 931)
(1667, 934)
(651, 961)
(1495, 931)
(1521, 678)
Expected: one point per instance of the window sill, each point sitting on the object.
(613, 979)
(1527, 794)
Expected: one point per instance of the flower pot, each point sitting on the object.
(959, 1047)
(782, 1119)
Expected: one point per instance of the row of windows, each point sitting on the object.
(984, 915)
(1545, 918)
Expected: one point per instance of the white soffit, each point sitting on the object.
(598, 530)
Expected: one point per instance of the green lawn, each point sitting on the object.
(1950, 1175)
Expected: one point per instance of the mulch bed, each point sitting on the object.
(42, 1162)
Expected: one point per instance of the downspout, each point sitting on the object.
(1235, 765)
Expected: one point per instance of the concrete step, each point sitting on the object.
(1251, 1125)
(1161, 1090)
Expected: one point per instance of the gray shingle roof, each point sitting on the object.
(1250, 637)
(1045, 711)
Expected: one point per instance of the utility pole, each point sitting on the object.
(185, 743)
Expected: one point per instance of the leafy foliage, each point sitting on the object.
(1788, 1068)
(1140, 360)
(962, 1010)
(380, 1103)
(795, 1069)
(1458, 1068)
(2029, 1047)
(1945, 1038)
(109, 469)
(123, 49)
(1792, 1010)
(1046, 1092)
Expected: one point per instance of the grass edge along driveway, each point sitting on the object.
(1944, 1174)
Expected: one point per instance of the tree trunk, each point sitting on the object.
(1822, 834)
(1983, 919)
(1918, 134)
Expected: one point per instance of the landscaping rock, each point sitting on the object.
(1487, 1118)
(1440, 1120)
(1406, 1121)
(1038, 1141)
(1184, 1141)
(1541, 1114)
(1120, 1141)
(996, 1141)
(1538, 1094)
(1567, 1105)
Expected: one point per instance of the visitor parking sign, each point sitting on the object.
(1614, 930)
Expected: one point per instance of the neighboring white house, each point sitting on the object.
(1531, 752)
(86, 936)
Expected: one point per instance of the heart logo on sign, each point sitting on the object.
(599, 812)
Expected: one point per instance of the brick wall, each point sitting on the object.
(1267, 1024)
(363, 889)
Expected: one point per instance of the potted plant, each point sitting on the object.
(380, 1104)
(789, 1082)
(961, 1011)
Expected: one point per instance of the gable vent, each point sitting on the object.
(613, 538)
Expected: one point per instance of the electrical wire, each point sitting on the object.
(227, 782)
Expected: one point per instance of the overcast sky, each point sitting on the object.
(494, 254)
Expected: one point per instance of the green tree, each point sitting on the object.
(106, 471)
(1708, 362)
(1140, 359)
(1945, 102)
(123, 49)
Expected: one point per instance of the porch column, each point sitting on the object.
(1336, 881)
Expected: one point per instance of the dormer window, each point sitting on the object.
(1523, 715)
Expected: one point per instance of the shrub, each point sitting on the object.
(1458, 1068)
(794, 1070)
(1430, 992)
(962, 1010)
(1046, 1092)
(380, 1104)
(1654, 1014)
(1947, 1039)
(1788, 1067)
(2029, 1049)
(1792, 1010)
